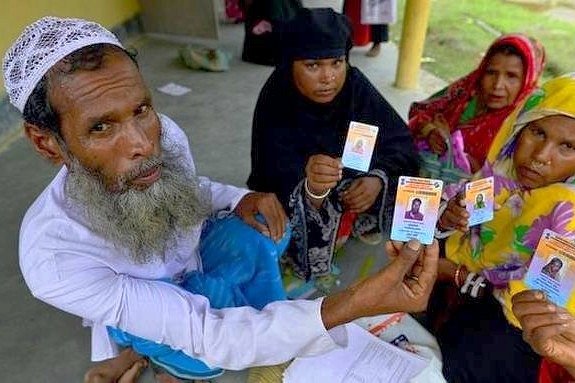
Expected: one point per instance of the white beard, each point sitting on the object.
(145, 222)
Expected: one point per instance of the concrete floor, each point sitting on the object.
(42, 344)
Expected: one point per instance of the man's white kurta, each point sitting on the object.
(68, 266)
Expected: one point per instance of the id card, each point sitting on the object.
(416, 207)
(552, 267)
(359, 145)
(479, 200)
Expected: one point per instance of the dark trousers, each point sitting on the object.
(480, 346)
(379, 33)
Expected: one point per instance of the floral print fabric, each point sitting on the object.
(502, 248)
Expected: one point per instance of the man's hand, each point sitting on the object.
(549, 329)
(455, 215)
(403, 285)
(269, 207)
(323, 172)
(361, 194)
(125, 368)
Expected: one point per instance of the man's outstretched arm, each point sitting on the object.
(403, 285)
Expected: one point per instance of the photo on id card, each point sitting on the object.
(552, 267)
(359, 146)
(479, 200)
(416, 207)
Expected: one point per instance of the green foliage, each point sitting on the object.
(460, 31)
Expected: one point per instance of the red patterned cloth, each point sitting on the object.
(233, 11)
(553, 373)
(345, 228)
(478, 131)
(361, 33)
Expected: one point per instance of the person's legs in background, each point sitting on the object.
(379, 34)
(478, 345)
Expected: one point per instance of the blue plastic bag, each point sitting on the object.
(240, 268)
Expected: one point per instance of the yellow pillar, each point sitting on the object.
(416, 18)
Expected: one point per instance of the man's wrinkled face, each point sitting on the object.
(320, 80)
(132, 191)
(108, 124)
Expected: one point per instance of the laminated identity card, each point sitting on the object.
(479, 200)
(416, 207)
(552, 267)
(359, 145)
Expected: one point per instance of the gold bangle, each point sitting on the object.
(312, 195)
(457, 275)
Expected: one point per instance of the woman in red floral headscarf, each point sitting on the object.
(474, 107)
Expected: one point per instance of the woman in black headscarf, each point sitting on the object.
(299, 129)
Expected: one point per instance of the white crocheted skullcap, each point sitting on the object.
(41, 45)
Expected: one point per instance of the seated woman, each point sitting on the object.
(299, 129)
(550, 331)
(473, 108)
(533, 168)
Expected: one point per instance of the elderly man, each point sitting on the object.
(113, 235)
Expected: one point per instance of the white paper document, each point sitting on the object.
(366, 359)
(174, 89)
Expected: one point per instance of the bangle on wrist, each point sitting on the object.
(457, 275)
(312, 195)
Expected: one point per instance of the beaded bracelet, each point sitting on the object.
(312, 195)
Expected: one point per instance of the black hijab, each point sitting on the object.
(288, 128)
(314, 34)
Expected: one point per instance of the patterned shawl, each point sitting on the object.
(502, 248)
(457, 103)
